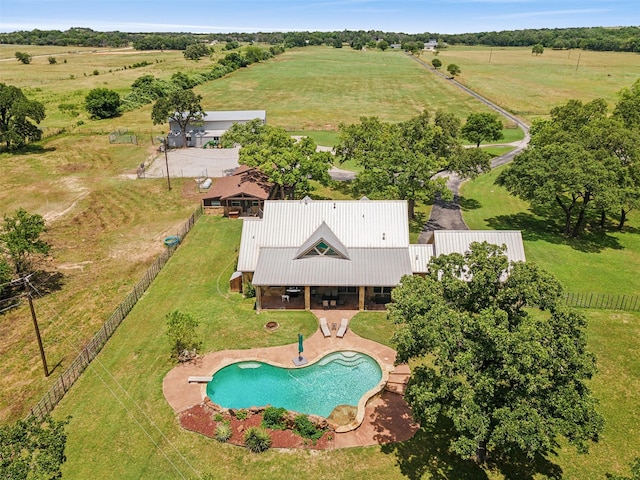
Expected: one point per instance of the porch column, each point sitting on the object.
(361, 298)
(258, 298)
(307, 297)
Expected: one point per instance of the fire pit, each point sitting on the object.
(271, 326)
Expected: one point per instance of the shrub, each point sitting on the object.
(273, 417)
(242, 414)
(181, 332)
(102, 103)
(249, 290)
(52, 60)
(96, 73)
(218, 417)
(305, 428)
(257, 439)
(223, 431)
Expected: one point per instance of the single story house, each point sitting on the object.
(239, 194)
(211, 127)
(349, 254)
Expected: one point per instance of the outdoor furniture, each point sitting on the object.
(344, 323)
(324, 327)
(285, 298)
(332, 303)
(325, 304)
(199, 379)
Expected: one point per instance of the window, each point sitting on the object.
(382, 290)
(235, 203)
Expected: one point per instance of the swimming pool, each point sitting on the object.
(340, 378)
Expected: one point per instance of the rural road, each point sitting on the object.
(447, 215)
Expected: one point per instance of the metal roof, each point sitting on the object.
(420, 255)
(234, 115)
(357, 224)
(450, 241)
(382, 267)
(323, 233)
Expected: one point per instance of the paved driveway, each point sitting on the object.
(195, 162)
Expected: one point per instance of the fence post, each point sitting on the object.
(91, 350)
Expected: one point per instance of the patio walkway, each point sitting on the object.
(387, 417)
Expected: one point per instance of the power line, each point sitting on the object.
(149, 419)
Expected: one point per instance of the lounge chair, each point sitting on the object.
(344, 323)
(324, 327)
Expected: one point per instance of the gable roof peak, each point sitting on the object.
(323, 234)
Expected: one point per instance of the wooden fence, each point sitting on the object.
(603, 301)
(91, 350)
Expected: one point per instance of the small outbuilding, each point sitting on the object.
(243, 193)
(214, 124)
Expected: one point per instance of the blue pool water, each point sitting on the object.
(340, 378)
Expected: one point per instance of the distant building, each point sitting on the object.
(212, 127)
(431, 44)
(342, 254)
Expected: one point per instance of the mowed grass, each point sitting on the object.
(594, 263)
(530, 85)
(106, 229)
(317, 88)
(118, 407)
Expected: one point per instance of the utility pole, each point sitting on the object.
(490, 54)
(166, 159)
(37, 329)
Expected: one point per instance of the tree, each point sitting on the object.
(5, 273)
(289, 164)
(436, 62)
(482, 126)
(508, 379)
(628, 106)
(196, 51)
(575, 161)
(32, 449)
(399, 160)
(20, 238)
(453, 70)
(181, 106)
(23, 57)
(182, 335)
(17, 113)
(102, 103)
(537, 49)
(52, 60)
(383, 45)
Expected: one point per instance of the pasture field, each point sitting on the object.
(530, 85)
(118, 407)
(106, 228)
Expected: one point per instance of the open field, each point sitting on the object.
(530, 85)
(118, 405)
(106, 229)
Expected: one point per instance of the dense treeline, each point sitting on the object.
(623, 39)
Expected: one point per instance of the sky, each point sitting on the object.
(224, 16)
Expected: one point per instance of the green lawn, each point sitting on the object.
(118, 408)
(598, 263)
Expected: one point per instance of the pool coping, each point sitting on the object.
(181, 395)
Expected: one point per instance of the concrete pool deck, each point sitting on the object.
(387, 417)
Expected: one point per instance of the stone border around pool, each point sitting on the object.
(364, 399)
(181, 394)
